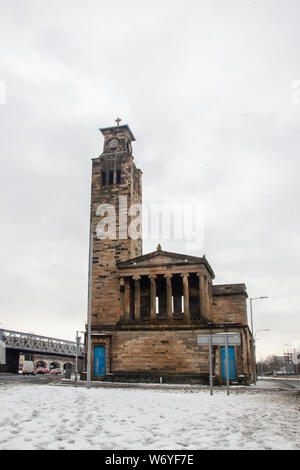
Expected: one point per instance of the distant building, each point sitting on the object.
(147, 310)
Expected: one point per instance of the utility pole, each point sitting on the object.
(78, 339)
(89, 348)
(76, 359)
(252, 331)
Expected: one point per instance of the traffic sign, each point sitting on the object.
(233, 339)
(219, 339)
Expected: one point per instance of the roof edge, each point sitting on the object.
(220, 290)
(104, 130)
(180, 256)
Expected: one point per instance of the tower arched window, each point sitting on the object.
(118, 179)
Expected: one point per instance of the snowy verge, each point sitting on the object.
(64, 417)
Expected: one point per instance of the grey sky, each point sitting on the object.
(206, 87)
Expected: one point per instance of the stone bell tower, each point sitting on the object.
(116, 186)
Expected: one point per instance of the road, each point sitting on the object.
(41, 379)
(291, 382)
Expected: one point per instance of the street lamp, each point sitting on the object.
(262, 329)
(253, 337)
(251, 316)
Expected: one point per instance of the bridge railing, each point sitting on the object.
(38, 343)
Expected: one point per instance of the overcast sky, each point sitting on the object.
(209, 89)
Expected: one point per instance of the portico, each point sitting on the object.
(164, 286)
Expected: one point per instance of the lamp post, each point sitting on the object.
(89, 325)
(78, 339)
(253, 337)
(251, 315)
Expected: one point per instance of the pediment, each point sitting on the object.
(153, 260)
(162, 258)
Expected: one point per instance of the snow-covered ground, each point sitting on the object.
(62, 417)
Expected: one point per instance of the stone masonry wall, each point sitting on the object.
(106, 253)
(164, 352)
(230, 309)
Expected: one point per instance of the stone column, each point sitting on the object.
(168, 278)
(122, 297)
(209, 300)
(185, 285)
(137, 298)
(127, 299)
(203, 295)
(152, 296)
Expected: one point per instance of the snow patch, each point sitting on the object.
(52, 417)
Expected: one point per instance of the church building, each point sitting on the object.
(147, 309)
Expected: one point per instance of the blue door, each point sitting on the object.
(231, 360)
(99, 361)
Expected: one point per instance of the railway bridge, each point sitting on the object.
(50, 352)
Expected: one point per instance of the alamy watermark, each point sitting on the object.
(151, 222)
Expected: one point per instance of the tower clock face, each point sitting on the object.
(113, 143)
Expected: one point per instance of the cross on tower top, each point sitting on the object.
(118, 120)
